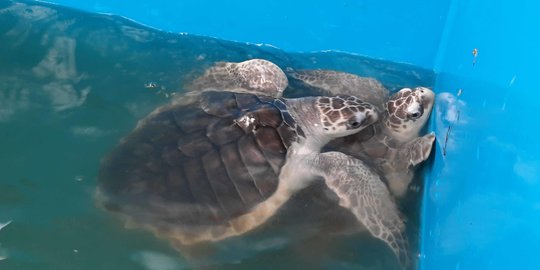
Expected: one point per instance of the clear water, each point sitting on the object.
(72, 84)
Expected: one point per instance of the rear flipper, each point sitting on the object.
(362, 191)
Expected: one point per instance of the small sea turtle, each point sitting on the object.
(222, 163)
(392, 146)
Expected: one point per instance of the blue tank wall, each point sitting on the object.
(405, 31)
(482, 198)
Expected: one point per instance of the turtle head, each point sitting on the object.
(408, 111)
(344, 115)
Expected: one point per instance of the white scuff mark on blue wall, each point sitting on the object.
(3, 225)
(157, 261)
(65, 96)
(271, 243)
(34, 12)
(479, 222)
(449, 113)
(136, 34)
(512, 81)
(526, 165)
(440, 192)
(3, 255)
(528, 170)
(13, 98)
(89, 131)
(60, 64)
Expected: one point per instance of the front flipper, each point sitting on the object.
(420, 148)
(362, 192)
(397, 166)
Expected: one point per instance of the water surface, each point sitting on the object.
(72, 84)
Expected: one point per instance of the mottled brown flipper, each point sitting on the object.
(362, 192)
(399, 168)
(420, 148)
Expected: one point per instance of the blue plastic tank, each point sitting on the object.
(481, 205)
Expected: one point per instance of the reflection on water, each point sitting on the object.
(72, 84)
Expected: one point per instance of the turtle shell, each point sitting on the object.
(201, 163)
(331, 82)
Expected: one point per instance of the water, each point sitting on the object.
(72, 84)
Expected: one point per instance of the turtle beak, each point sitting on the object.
(427, 95)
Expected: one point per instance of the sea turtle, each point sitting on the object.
(217, 164)
(392, 146)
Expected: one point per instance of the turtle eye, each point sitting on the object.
(353, 123)
(415, 115)
(415, 111)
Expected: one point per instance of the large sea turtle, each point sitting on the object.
(215, 163)
(391, 146)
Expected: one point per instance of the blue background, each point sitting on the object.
(404, 31)
(482, 196)
(482, 200)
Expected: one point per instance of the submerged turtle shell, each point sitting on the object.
(197, 164)
(331, 82)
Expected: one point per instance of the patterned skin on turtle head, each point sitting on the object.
(344, 115)
(406, 112)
